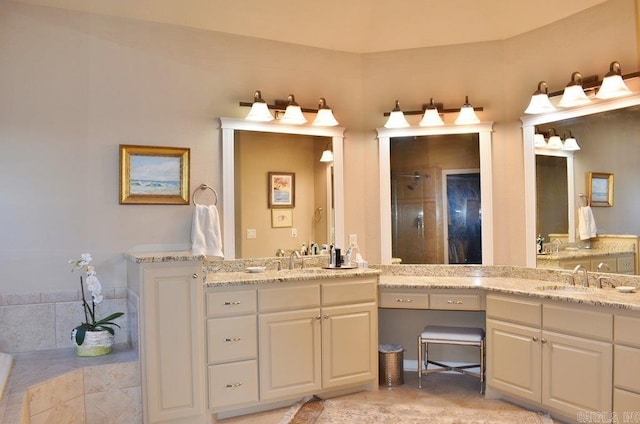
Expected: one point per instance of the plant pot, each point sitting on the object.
(96, 343)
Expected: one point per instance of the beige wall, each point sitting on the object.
(74, 86)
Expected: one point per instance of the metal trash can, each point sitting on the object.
(390, 366)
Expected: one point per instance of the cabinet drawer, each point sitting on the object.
(626, 373)
(294, 296)
(626, 330)
(626, 265)
(578, 321)
(404, 300)
(236, 302)
(234, 383)
(515, 310)
(232, 339)
(349, 291)
(624, 401)
(462, 302)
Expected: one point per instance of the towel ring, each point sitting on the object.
(204, 187)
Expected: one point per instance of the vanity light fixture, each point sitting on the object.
(325, 117)
(293, 113)
(327, 154)
(539, 141)
(467, 114)
(259, 110)
(540, 102)
(570, 143)
(573, 94)
(431, 116)
(555, 142)
(612, 84)
(396, 118)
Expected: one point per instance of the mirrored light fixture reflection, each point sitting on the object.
(612, 84)
(540, 102)
(259, 110)
(325, 116)
(293, 113)
(570, 143)
(396, 118)
(467, 114)
(554, 142)
(539, 141)
(431, 116)
(574, 94)
(327, 154)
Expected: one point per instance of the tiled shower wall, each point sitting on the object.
(44, 320)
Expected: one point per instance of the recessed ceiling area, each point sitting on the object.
(358, 26)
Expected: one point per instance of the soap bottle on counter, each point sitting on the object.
(539, 242)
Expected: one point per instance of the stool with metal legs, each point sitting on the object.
(462, 336)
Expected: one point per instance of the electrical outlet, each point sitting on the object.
(353, 239)
(251, 233)
(294, 232)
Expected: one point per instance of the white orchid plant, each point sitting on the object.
(95, 288)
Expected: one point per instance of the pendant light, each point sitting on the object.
(396, 118)
(293, 113)
(570, 143)
(612, 84)
(539, 141)
(555, 142)
(259, 110)
(540, 102)
(467, 115)
(431, 116)
(325, 116)
(573, 94)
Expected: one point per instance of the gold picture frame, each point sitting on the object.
(600, 188)
(154, 175)
(282, 190)
(281, 218)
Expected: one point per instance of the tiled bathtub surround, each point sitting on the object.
(44, 320)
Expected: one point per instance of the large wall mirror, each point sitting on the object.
(255, 156)
(608, 133)
(436, 203)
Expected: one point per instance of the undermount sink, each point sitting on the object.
(565, 289)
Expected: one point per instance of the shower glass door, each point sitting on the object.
(464, 217)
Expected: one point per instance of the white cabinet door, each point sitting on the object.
(289, 354)
(514, 359)
(577, 374)
(172, 353)
(349, 344)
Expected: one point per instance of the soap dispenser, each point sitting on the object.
(539, 242)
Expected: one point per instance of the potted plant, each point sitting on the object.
(92, 337)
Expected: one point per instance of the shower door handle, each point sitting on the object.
(420, 224)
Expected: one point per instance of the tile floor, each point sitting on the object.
(450, 390)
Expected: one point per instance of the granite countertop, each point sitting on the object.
(149, 257)
(581, 253)
(239, 278)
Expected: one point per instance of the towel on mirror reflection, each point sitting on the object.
(586, 223)
(205, 232)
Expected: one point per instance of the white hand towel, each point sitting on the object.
(586, 223)
(205, 232)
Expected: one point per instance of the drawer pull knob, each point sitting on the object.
(404, 300)
(319, 317)
(194, 275)
(237, 302)
(543, 340)
(233, 339)
(231, 386)
(454, 302)
(326, 317)
(535, 339)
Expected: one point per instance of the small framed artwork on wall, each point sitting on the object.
(282, 193)
(600, 188)
(281, 218)
(154, 175)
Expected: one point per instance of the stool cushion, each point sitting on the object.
(439, 332)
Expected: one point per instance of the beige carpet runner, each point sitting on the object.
(345, 411)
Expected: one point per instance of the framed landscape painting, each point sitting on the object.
(282, 192)
(154, 175)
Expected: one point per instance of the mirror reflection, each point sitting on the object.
(608, 143)
(262, 230)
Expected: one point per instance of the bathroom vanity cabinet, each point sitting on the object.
(555, 355)
(619, 263)
(626, 374)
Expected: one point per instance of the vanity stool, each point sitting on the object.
(461, 336)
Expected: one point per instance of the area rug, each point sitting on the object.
(345, 411)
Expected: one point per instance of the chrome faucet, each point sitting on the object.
(601, 278)
(585, 275)
(556, 242)
(293, 254)
(278, 263)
